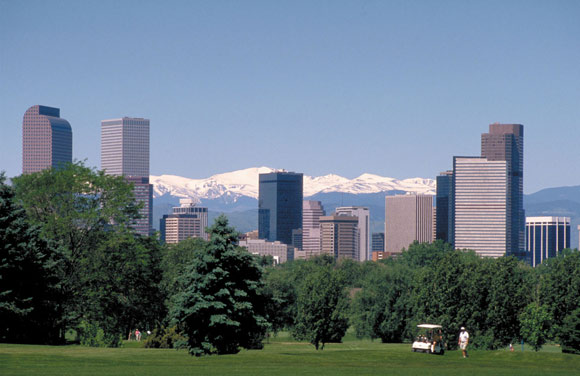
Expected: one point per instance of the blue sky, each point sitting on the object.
(394, 88)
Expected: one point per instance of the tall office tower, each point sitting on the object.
(378, 244)
(46, 139)
(186, 221)
(363, 216)
(482, 211)
(279, 206)
(407, 218)
(444, 207)
(505, 142)
(297, 238)
(546, 237)
(339, 236)
(311, 213)
(125, 152)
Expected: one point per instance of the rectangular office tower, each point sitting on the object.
(125, 152)
(505, 142)
(378, 242)
(46, 139)
(546, 237)
(444, 225)
(363, 215)
(279, 205)
(408, 218)
(482, 212)
(311, 213)
(339, 236)
(186, 221)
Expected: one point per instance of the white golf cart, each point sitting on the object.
(428, 334)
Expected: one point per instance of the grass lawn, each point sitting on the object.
(282, 356)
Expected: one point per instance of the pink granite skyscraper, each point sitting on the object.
(46, 139)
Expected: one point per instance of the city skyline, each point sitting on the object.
(265, 68)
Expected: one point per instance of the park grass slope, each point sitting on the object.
(281, 356)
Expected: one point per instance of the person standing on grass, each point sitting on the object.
(463, 341)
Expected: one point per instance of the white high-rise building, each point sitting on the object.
(363, 216)
(125, 152)
(482, 212)
(125, 147)
(311, 213)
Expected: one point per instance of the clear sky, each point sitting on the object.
(394, 88)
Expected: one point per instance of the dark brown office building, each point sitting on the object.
(46, 139)
(505, 142)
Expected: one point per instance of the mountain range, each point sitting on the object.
(236, 195)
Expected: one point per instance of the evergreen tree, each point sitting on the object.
(29, 304)
(219, 306)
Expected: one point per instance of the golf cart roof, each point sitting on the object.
(429, 326)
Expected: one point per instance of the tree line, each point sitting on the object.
(72, 268)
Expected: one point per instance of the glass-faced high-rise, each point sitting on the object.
(125, 152)
(505, 142)
(444, 225)
(46, 139)
(280, 205)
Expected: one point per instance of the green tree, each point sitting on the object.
(121, 286)
(321, 308)
(424, 254)
(570, 333)
(509, 291)
(382, 308)
(176, 257)
(280, 288)
(534, 324)
(219, 305)
(559, 286)
(84, 212)
(29, 300)
(451, 293)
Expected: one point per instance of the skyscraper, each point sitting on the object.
(546, 237)
(311, 213)
(378, 244)
(186, 221)
(125, 152)
(46, 139)
(363, 216)
(505, 142)
(407, 218)
(482, 215)
(444, 223)
(279, 205)
(339, 236)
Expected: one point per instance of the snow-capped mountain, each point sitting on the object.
(233, 185)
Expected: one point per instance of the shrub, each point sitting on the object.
(164, 338)
(92, 335)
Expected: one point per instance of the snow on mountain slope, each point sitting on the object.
(234, 184)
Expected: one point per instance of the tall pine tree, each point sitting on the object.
(219, 306)
(30, 310)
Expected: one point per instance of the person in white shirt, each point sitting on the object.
(463, 341)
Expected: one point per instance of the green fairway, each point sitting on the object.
(281, 356)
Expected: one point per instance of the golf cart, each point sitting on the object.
(429, 333)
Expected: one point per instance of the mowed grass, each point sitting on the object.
(282, 356)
